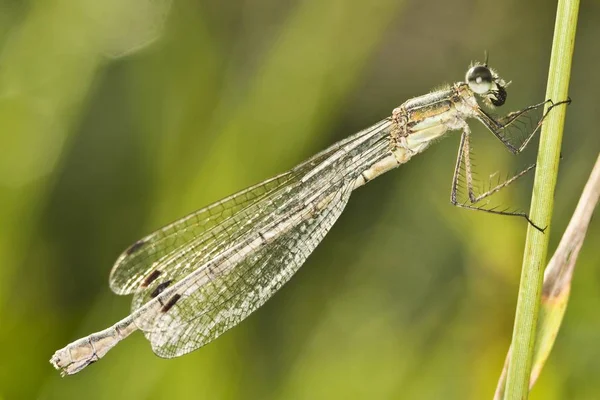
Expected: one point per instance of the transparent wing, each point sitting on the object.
(169, 252)
(191, 286)
(210, 244)
(134, 267)
(229, 290)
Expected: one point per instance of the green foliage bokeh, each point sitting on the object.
(118, 117)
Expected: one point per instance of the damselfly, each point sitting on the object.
(201, 275)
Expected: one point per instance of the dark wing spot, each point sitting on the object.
(160, 288)
(135, 247)
(174, 299)
(151, 278)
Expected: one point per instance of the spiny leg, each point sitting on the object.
(499, 125)
(464, 154)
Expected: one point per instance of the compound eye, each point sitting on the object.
(479, 79)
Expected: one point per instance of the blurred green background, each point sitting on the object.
(117, 117)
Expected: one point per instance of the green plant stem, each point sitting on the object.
(536, 245)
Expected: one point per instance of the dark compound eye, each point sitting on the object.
(479, 79)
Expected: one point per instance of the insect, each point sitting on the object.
(198, 277)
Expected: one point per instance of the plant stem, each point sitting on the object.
(536, 244)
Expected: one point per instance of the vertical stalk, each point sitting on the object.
(536, 245)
